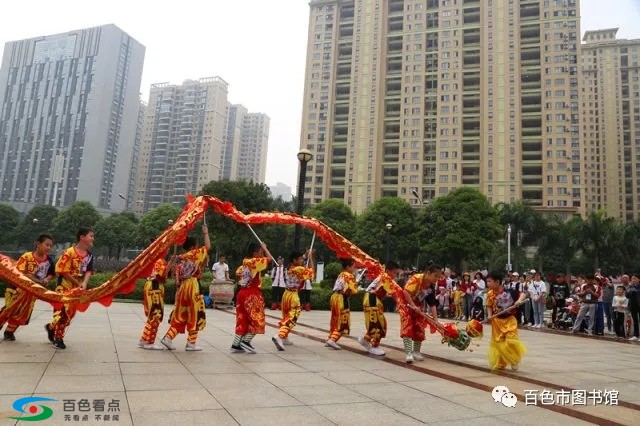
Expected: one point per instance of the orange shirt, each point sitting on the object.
(190, 264)
(250, 271)
(75, 264)
(297, 275)
(28, 264)
(345, 284)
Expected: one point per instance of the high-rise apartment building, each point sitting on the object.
(68, 110)
(246, 145)
(611, 124)
(135, 155)
(252, 158)
(181, 147)
(428, 95)
(231, 148)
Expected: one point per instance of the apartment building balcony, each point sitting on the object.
(396, 7)
(395, 24)
(471, 15)
(394, 45)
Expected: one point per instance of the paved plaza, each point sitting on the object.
(103, 375)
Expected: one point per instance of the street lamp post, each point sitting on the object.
(304, 156)
(508, 267)
(387, 242)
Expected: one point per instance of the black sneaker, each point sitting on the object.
(237, 349)
(248, 347)
(8, 335)
(59, 344)
(50, 332)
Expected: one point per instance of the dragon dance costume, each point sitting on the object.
(343, 288)
(153, 301)
(505, 347)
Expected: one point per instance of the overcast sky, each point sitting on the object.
(257, 46)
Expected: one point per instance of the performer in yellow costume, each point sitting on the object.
(249, 300)
(188, 315)
(38, 266)
(74, 268)
(505, 347)
(374, 320)
(343, 288)
(153, 302)
(296, 276)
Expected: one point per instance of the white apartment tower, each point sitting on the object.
(610, 124)
(68, 111)
(182, 141)
(429, 95)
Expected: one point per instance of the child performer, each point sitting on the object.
(419, 288)
(374, 321)
(188, 315)
(38, 266)
(297, 274)
(620, 306)
(457, 300)
(344, 287)
(153, 302)
(249, 301)
(505, 347)
(74, 268)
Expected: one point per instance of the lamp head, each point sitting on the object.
(388, 226)
(304, 155)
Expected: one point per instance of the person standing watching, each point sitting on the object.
(220, 270)
(278, 283)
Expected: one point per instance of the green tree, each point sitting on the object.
(9, 220)
(560, 245)
(231, 238)
(38, 221)
(154, 222)
(116, 232)
(598, 235)
(67, 222)
(461, 226)
(339, 217)
(372, 234)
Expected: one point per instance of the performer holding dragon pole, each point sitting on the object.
(505, 347)
(374, 319)
(153, 303)
(38, 266)
(297, 274)
(188, 315)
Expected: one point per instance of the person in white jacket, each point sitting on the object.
(538, 295)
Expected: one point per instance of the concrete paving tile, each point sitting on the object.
(542, 417)
(437, 387)
(163, 368)
(10, 370)
(254, 396)
(353, 377)
(278, 416)
(78, 352)
(197, 418)
(83, 369)
(364, 413)
(319, 366)
(477, 421)
(172, 400)
(226, 381)
(325, 394)
(280, 366)
(296, 379)
(54, 383)
(401, 374)
(159, 381)
(216, 368)
(387, 391)
(24, 357)
(23, 384)
(428, 410)
(482, 401)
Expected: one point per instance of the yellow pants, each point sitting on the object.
(290, 312)
(505, 346)
(374, 320)
(340, 316)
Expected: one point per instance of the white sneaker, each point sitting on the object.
(192, 347)
(333, 344)
(514, 367)
(142, 344)
(633, 339)
(287, 342)
(418, 356)
(377, 351)
(277, 340)
(365, 344)
(153, 347)
(248, 347)
(408, 359)
(168, 343)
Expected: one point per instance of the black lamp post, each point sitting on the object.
(304, 156)
(387, 242)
